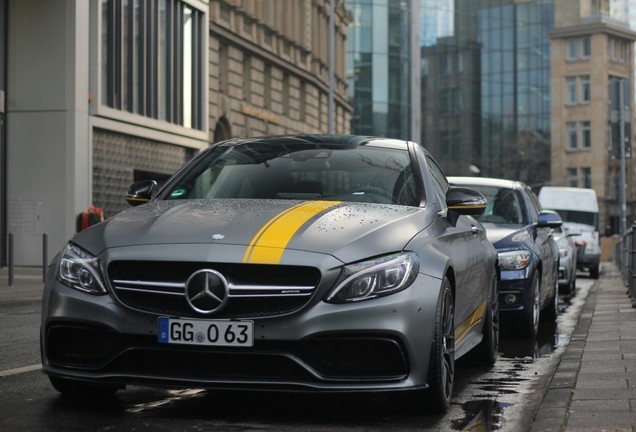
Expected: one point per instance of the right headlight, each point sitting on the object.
(79, 269)
(514, 260)
(375, 278)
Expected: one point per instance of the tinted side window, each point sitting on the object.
(533, 204)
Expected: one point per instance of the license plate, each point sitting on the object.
(205, 332)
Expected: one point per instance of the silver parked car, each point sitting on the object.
(311, 263)
(567, 258)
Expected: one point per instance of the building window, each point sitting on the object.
(572, 136)
(586, 135)
(586, 47)
(247, 78)
(152, 60)
(571, 97)
(451, 141)
(285, 94)
(267, 86)
(446, 101)
(224, 68)
(445, 63)
(572, 45)
(586, 177)
(451, 102)
(617, 50)
(572, 179)
(585, 88)
(578, 48)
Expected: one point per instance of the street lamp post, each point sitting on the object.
(622, 186)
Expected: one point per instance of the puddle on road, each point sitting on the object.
(481, 416)
(485, 412)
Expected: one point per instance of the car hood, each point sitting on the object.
(506, 235)
(264, 228)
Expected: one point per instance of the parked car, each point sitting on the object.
(522, 232)
(313, 263)
(567, 259)
(579, 210)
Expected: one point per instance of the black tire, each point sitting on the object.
(81, 389)
(595, 271)
(486, 352)
(551, 311)
(533, 307)
(442, 366)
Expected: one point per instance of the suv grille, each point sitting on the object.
(255, 290)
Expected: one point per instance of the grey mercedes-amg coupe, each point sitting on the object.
(290, 263)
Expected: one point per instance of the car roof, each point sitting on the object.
(486, 181)
(330, 139)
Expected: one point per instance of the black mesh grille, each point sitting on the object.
(163, 287)
(350, 358)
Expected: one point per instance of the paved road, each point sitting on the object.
(505, 397)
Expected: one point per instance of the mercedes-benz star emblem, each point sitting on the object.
(206, 291)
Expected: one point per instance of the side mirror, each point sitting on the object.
(140, 192)
(465, 201)
(549, 219)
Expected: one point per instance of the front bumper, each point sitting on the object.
(379, 344)
(566, 271)
(514, 291)
(586, 261)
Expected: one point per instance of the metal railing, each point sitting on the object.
(625, 260)
(10, 261)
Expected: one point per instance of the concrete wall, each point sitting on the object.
(48, 139)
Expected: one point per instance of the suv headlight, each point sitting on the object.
(514, 260)
(376, 277)
(78, 269)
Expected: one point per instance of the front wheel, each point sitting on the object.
(442, 367)
(595, 271)
(533, 307)
(551, 312)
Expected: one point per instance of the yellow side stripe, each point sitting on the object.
(270, 241)
(475, 318)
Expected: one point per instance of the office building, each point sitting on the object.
(101, 93)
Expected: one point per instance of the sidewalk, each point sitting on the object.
(594, 386)
(27, 284)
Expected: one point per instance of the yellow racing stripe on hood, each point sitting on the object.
(270, 241)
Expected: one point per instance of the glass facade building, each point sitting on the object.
(378, 67)
(484, 81)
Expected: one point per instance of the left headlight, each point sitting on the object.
(376, 277)
(79, 269)
(514, 260)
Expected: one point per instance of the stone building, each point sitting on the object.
(102, 93)
(591, 54)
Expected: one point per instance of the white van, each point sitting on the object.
(578, 208)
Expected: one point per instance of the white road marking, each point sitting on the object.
(16, 371)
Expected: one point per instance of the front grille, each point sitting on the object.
(353, 358)
(255, 290)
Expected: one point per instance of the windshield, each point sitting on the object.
(582, 217)
(301, 171)
(504, 206)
